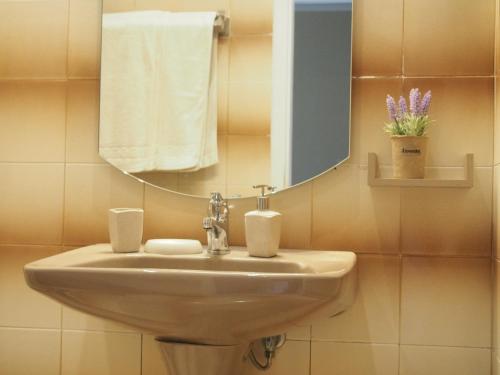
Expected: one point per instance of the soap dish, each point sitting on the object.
(173, 247)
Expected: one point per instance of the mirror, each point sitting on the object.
(186, 100)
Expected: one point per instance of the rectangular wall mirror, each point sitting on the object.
(192, 104)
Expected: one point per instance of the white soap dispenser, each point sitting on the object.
(263, 227)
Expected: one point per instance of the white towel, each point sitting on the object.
(159, 91)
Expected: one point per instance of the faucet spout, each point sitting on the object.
(216, 225)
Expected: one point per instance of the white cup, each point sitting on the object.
(125, 229)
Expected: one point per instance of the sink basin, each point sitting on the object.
(221, 300)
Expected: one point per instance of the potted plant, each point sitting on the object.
(408, 127)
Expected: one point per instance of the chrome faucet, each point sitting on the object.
(216, 225)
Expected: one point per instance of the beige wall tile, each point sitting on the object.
(250, 58)
(330, 358)
(299, 333)
(238, 191)
(448, 221)
(33, 31)
(377, 48)
(33, 116)
(496, 309)
(223, 84)
(251, 17)
(497, 38)
(84, 46)
(374, 317)
(446, 301)
(296, 207)
(167, 180)
(31, 204)
(152, 357)
(456, 132)
(222, 107)
(434, 360)
(184, 5)
(250, 108)
(114, 6)
(90, 191)
(496, 127)
(496, 211)
(82, 133)
(293, 358)
(76, 320)
(368, 117)
(350, 215)
(202, 190)
(22, 306)
(223, 48)
(98, 353)
(237, 210)
(437, 32)
(170, 215)
(495, 364)
(248, 160)
(29, 351)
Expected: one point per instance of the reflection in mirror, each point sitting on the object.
(321, 87)
(186, 100)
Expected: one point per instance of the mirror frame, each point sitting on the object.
(282, 97)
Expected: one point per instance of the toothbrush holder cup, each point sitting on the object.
(125, 229)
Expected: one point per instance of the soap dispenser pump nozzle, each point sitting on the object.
(262, 199)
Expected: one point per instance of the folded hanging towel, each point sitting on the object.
(159, 91)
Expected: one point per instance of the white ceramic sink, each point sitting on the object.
(221, 300)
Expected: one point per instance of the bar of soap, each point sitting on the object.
(173, 247)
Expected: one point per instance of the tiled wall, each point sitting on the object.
(496, 205)
(244, 100)
(424, 302)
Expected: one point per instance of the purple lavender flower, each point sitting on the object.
(391, 108)
(426, 103)
(403, 108)
(415, 102)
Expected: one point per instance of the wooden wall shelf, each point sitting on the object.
(375, 180)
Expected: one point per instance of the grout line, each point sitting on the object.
(61, 340)
(102, 331)
(399, 345)
(310, 351)
(400, 315)
(446, 256)
(29, 163)
(398, 76)
(67, 37)
(41, 246)
(311, 221)
(442, 76)
(403, 39)
(34, 80)
(66, 109)
(141, 353)
(19, 328)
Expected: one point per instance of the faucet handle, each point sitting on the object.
(216, 197)
(207, 223)
(217, 207)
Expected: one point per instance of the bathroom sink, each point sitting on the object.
(215, 300)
